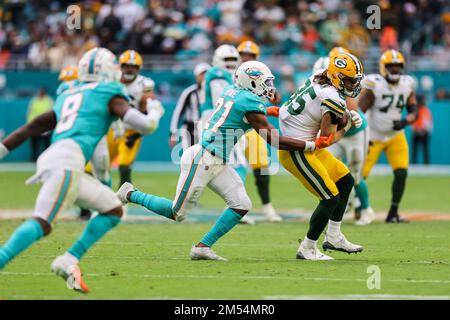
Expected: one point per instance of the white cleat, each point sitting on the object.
(270, 213)
(311, 253)
(246, 220)
(124, 190)
(66, 266)
(204, 253)
(367, 217)
(340, 243)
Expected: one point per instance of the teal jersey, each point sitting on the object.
(82, 113)
(66, 85)
(213, 74)
(353, 130)
(227, 124)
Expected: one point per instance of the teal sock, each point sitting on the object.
(158, 205)
(107, 182)
(227, 220)
(95, 229)
(24, 236)
(242, 172)
(362, 192)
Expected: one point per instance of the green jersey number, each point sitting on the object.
(297, 102)
(390, 101)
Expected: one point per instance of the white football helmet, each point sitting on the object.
(321, 63)
(98, 65)
(226, 57)
(256, 77)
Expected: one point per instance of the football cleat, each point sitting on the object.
(66, 267)
(312, 253)
(395, 219)
(246, 220)
(123, 191)
(270, 213)
(204, 253)
(367, 217)
(340, 243)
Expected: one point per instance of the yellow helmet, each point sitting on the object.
(69, 73)
(389, 58)
(345, 72)
(249, 47)
(337, 50)
(131, 57)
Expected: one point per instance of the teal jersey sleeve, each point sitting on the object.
(253, 103)
(353, 130)
(66, 85)
(82, 113)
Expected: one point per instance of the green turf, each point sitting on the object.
(151, 261)
(423, 193)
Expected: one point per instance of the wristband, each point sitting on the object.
(310, 146)
(3, 151)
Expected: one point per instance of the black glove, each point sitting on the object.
(400, 124)
(131, 139)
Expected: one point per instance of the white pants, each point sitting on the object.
(60, 170)
(200, 169)
(100, 161)
(354, 150)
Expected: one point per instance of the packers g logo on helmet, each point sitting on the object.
(340, 63)
(69, 73)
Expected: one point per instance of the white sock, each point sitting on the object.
(308, 243)
(71, 258)
(334, 228)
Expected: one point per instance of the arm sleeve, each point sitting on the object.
(254, 104)
(139, 121)
(329, 105)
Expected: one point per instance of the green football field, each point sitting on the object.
(150, 260)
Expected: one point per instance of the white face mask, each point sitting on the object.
(128, 77)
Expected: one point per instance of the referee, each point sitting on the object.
(186, 113)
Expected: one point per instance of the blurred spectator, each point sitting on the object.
(388, 39)
(422, 129)
(355, 37)
(39, 105)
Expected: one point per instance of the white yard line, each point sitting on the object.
(229, 276)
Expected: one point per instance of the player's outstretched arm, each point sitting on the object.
(143, 123)
(39, 125)
(259, 123)
(366, 99)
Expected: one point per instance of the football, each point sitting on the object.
(342, 122)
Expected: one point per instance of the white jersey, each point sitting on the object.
(136, 90)
(388, 105)
(301, 116)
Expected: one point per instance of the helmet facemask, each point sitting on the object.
(394, 71)
(349, 86)
(129, 72)
(231, 63)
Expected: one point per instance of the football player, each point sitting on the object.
(353, 147)
(383, 98)
(239, 108)
(141, 92)
(319, 105)
(80, 118)
(256, 150)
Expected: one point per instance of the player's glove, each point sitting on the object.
(131, 139)
(323, 142)
(399, 124)
(356, 118)
(3, 151)
(273, 111)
